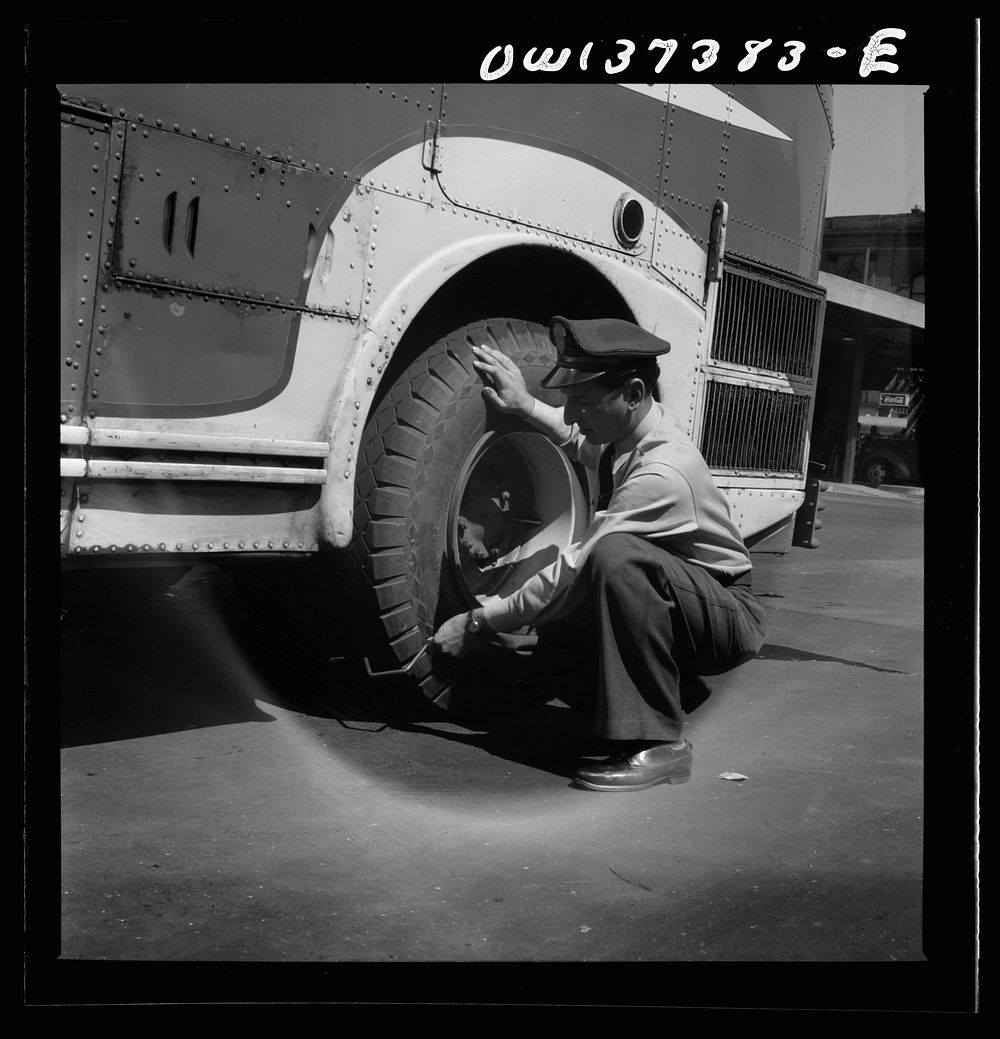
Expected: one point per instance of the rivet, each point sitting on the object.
(256, 544)
(225, 544)
(211, 545)
(242, 544)
(179, 546)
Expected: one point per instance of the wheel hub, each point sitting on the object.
(517, 505)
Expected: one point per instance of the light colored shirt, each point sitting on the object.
(663, 491)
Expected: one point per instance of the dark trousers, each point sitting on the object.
(630, 656)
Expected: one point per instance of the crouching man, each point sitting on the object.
(657, 592)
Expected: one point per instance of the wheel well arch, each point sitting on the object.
(527, 282)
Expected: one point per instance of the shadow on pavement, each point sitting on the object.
(548, 738)
(194, 655)
(145, 672)
(770, 652)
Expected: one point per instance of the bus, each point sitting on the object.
(270, 293)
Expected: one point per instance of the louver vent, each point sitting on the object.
(751, 429)
(766, 322)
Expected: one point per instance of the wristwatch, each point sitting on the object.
(476, 625)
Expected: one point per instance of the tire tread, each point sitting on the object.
(399, 442)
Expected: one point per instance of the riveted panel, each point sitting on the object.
(85, 151)
(766, 153)
(604, 126)
(613, 127)
(692, 144)
(775, 188)
(680, 254)
(332, 128)
(205, 216)
(167, 348)
(192, 518)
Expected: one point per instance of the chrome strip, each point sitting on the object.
(152, 440)
(108, 470)
(73, 434)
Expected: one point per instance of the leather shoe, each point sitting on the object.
(633, 769)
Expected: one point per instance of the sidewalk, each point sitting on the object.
(887, 490)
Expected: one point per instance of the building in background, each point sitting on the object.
(870, 391)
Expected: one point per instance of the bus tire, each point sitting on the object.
(420, 437)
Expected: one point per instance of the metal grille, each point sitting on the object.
(753, 429)
(765, 322)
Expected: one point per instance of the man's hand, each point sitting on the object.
(452, 640)
(505, 387)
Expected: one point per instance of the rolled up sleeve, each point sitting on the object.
(657, 501)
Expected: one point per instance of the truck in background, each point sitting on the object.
(887, 455)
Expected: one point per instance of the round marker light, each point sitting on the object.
(629, 221)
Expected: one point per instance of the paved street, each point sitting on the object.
(223, 801)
